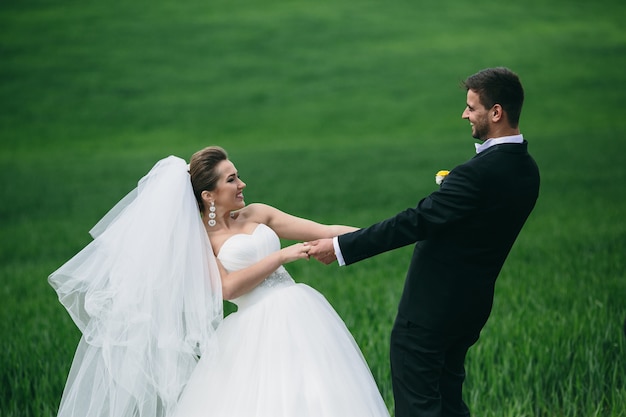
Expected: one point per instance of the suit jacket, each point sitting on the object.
(463, 234)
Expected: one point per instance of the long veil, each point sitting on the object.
(146, 294)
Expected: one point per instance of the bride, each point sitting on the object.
(147, 295)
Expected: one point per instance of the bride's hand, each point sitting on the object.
(323, 250)
(295, 252)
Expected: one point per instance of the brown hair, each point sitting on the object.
(203, 172)
(498, 86)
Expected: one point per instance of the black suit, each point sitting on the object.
(464, 232)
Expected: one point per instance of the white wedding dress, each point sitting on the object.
(285, 352)
(146, 295)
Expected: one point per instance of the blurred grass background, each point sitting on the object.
(342, 112)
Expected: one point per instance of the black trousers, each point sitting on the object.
(427, 369)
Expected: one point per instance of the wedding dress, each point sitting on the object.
(285, 352)
(146, 295)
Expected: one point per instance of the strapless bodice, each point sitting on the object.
(243, 250)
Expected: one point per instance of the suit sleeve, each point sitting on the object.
(457, 198)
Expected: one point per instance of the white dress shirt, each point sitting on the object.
(497, 141)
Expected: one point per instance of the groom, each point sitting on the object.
(462, 233)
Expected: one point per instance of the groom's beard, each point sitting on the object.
(480, 129)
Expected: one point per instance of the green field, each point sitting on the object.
(338, 111)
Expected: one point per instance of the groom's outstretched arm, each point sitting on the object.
(323, 250)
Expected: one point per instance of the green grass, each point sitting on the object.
(339, 111)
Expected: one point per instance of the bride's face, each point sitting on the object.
(228, 195)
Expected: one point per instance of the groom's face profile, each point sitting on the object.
(477, 115)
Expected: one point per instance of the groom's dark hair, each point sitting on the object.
(500, 86)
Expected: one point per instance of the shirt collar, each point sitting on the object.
(497, 141)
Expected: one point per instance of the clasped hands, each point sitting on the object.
(322, 250)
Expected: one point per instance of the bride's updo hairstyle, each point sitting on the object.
(203, 172)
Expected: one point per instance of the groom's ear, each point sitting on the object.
(496, 113)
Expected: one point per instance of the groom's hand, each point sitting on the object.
(323, 250)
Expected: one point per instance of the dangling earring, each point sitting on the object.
(211, 221)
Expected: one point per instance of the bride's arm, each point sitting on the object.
(237, 283)
(291, 227)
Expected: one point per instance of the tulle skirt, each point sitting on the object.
(288, 354)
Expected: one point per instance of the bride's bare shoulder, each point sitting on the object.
(255, 212)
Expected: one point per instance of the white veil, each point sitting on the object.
(146, 294)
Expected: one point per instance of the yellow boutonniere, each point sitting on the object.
(440, 176)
